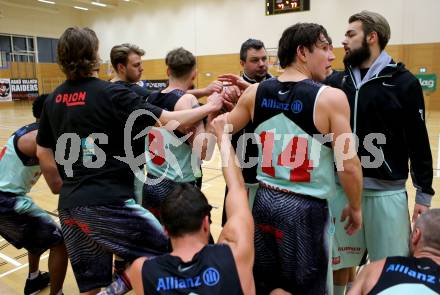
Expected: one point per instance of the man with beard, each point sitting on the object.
(416, 274)
(387, 106)
(126, 60)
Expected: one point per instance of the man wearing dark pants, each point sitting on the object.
(82, 127)
(22, 222)
(296, 171)
(194, 267)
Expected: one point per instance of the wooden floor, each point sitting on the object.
(13, 262)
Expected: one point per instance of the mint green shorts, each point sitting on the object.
(385, 228)
(252, 191)
(139, 180)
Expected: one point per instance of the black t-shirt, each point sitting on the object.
(335, 79)
(363, 72)
(139, 143)
(211, 271)
(411, 274)
(78, 109)
(141, 91)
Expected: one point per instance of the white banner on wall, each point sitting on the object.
(5, 89)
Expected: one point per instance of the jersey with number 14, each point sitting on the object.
(293, 155)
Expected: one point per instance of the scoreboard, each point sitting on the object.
(286, 6)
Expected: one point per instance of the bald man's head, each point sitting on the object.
(429, 226)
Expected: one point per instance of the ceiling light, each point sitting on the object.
(80, 8)
(47, 1)
(99, 4)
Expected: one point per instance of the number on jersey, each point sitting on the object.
(294, 156)
(156, 147)
(2, 153)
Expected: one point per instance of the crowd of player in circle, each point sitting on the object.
(299, 221)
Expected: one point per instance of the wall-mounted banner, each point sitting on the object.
(153, 85)
(24, 89)
(428, 81)
(5, 90)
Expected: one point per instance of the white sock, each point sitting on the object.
(34, 275)
(60, 292)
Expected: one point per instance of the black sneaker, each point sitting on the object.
(36, 285)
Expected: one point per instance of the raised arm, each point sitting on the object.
(243, 112)
(234, 80)
(186, 118)
(333, 116)
(238, 231)
(126, 102)
(214, 86)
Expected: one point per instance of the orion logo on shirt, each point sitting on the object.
(296, 106)
(210, 277)
(72, 99)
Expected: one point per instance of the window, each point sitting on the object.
(19, 43)
(47, 49)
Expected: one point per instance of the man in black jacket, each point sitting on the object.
(388, 116)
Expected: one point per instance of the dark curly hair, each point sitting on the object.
(78, 52)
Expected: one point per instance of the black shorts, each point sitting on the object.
(25, 225)
(94, 233)
(155, 193)
(291, 242)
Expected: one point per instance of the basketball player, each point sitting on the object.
(22, 222)
(195, 267)
(171, 160)
(417, 274)
(126, 60)
(82, 126)
(295, 168)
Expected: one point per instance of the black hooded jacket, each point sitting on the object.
(390, 103)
